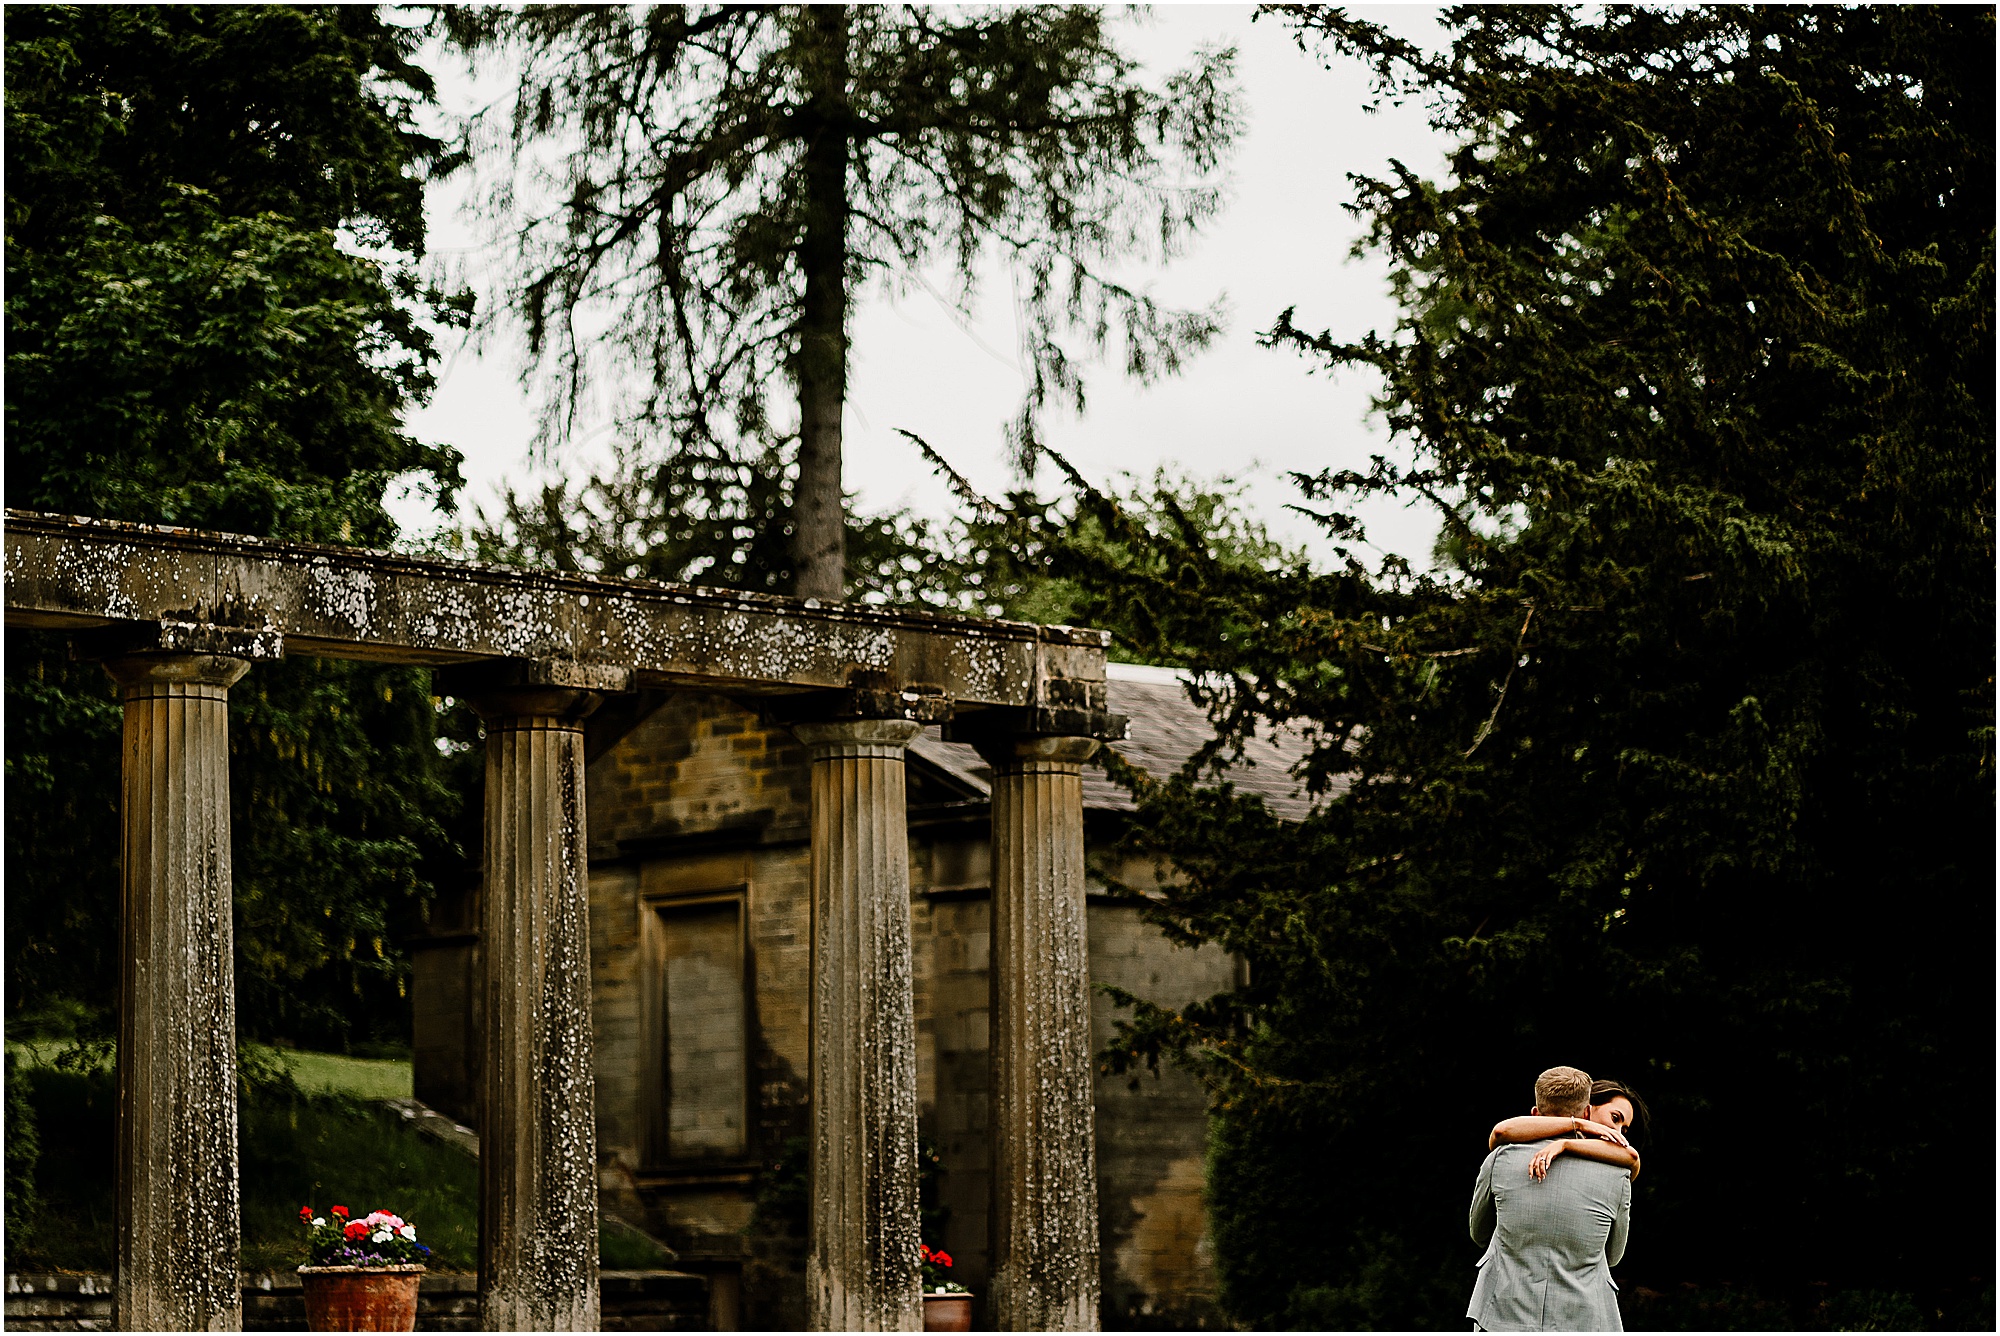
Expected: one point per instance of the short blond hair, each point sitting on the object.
(1562, 1092)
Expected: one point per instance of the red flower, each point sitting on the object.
(355, 1229)
(340, 1211)
(942, 1259)
(305, 1212)
(924, 1251)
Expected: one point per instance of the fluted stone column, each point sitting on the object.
(179, 1226)
(863, 1272)
(1044, 1215)
(537, 1130)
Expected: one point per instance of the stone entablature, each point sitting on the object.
(256, 598)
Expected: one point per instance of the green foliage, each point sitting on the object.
(701, 193)
(1679, 769)
(623, 1248)
(1731, 1307)
(295, 1149)
(24, 1151)
(338, 799)
(63, 747)
(784, 1192)
(1033, 559)
(214, 319)
(321, 1146)
(932, 1215)
(74, 1222)
(711, 521)
(774, 1271)
(176, 182)
(705, 518)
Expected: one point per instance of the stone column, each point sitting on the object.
(179, 1227)
(537, 1129)
(863, 1272)
(1044, 1217)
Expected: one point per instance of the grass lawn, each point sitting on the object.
(317, 1140)
(359, 1078)
(314, 1073)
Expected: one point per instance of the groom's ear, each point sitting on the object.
(1535, 1112)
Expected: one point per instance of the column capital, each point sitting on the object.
(1005, 736)
(545, 707)
(139, 672)
(869, 695)
(1015, 751)
(830, 738)
(558, 691)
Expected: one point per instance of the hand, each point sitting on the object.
(1603, 1130)
(1538, 1168)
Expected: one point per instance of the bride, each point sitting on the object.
(1617, 1117)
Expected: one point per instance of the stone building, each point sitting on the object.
(700, 953)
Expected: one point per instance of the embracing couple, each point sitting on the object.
(1552, 1232)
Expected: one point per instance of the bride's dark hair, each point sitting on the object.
(1603, 1092)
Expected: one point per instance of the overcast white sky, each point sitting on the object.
(1237, 409)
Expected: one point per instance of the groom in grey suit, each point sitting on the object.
(1550, 1244)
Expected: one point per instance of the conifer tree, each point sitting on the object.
(724, 180)
(1679, 766)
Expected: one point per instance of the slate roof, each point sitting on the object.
(1166, 729)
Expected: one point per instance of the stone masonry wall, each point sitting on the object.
(698, 765)
(1157, 1260)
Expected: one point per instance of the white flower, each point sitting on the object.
(319, 1222)
(379, 1236)
(409, 1232)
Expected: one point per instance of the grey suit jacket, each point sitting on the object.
(1550, 1245)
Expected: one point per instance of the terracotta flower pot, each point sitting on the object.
(947, 1312)
(361, 1298)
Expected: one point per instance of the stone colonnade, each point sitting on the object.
(177, 1155)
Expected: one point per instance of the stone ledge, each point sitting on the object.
(76, 574)
(432, 1125)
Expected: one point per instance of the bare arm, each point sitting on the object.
(1605, 1152)
(1532, 1127)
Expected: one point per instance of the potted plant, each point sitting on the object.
(947, 1304)
(363, 1274)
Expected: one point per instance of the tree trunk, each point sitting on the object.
(819, 532)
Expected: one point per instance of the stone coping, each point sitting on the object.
(215, 592)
